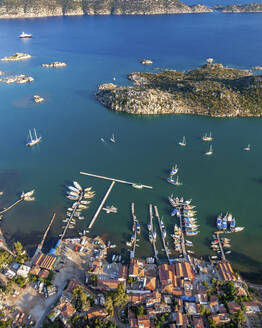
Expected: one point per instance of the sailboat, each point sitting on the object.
(177, 183)
(33, 141)
(183, 142)
(112, 139)
(174, 170)
(207, 138)
(210, 152)
(247, 148)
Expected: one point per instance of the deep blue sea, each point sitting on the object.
(71, 122)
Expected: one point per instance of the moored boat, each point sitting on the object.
(77, 185)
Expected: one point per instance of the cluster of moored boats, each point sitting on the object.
(177, 237)
(186, 213)
(28, 196)
(80, 197)
(205, 137)
(171, 179)
(227, 223)
(224, 242)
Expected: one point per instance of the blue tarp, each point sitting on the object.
(188, 298)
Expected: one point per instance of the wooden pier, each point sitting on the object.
(163, 239)
(134, 223)
(182, 239)
(223, 256)
(11, 206)
(70, 218)
(40, 246)
(101, 205)
(152, 230)
(116, 180)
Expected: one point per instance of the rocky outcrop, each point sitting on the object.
(211, 90)
(42, 8)
(248, 8)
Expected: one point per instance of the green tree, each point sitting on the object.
(6, 323)
(119, 296)
(93, 280)
(5, 258)
(109, 306)
(140, 310)
(205, 283)
(80, 298)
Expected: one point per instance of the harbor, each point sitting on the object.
(133, 184)
(152, 233)
(162, 233)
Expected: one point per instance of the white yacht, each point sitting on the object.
(33, 141)
(24, 35)
(183, 142)
(210, 152)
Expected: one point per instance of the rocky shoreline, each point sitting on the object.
(41, 8)
(211, 90)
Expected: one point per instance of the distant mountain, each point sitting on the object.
(248, 8)
(42, 8)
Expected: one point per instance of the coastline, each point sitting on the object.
(182, 8)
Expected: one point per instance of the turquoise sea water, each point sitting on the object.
(72, 122)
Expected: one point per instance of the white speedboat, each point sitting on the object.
(24, 35)
(207, 138)
(183, 142)
(210, 152)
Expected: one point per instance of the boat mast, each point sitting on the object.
(35, 134)
(30, 135)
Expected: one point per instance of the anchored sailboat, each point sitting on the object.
(207, 138)
(210, 152)
(247, 148)
(183, 142)
(112, 139)
(33, 141)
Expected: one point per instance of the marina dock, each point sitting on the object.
(40, 246)
(11, 206)
(223, 257)
(101, 205)
(116, 180)
(152, 229)
(183, 247)
(163, 239)
(134, 222)
(70, 218)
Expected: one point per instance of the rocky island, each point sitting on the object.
(17, 56)
(212, 90)
(236, 8)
